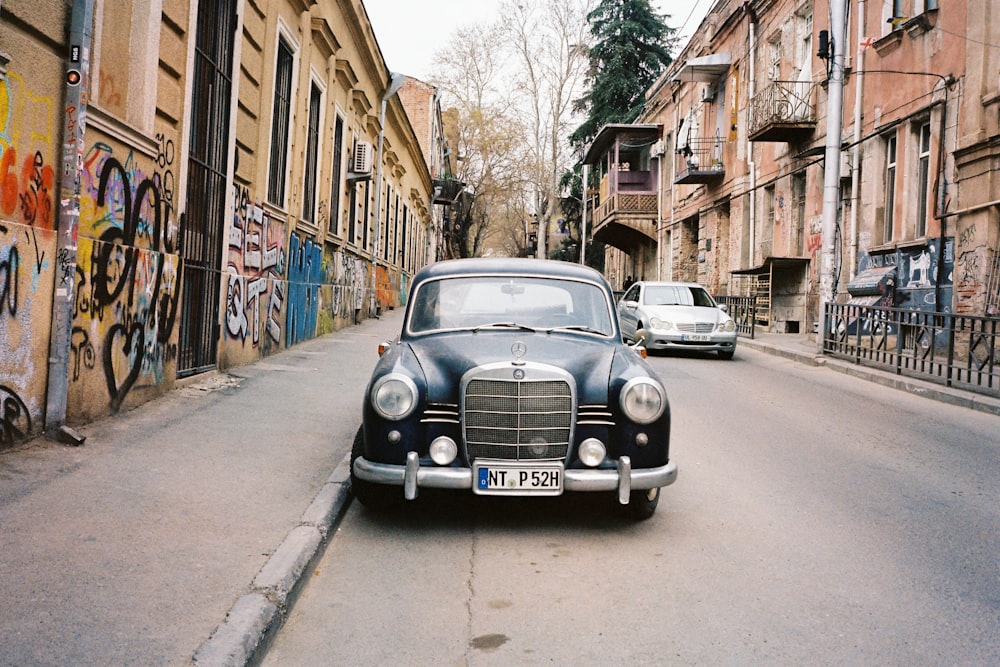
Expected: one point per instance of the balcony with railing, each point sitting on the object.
(699, 160)
(783, 111)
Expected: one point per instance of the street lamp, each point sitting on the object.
(395, 83)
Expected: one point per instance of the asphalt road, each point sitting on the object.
(817, 519)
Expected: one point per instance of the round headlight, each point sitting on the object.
(643, 400)
(394, 396)
(592, 452)
(443, 450)
(728, 326)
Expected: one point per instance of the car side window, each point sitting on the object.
(632, 294)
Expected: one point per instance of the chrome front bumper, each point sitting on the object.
(412, 476)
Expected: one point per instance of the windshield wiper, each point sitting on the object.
(503, 325)
(578, 327)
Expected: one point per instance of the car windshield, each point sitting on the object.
(676, 295)
(504, 302)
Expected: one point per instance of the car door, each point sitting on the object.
(627, 312)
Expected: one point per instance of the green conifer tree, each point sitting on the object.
(632, 48)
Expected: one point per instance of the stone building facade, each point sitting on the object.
(188, 186)
(743, 118)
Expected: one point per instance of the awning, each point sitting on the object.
(772, 262)
(706, 68)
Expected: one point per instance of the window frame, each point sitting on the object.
(889, 173)
(279, 164)
(337, 174)
(923, 144)
(314, 136)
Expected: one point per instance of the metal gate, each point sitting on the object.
(208, 162)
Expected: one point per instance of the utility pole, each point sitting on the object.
(831, 164)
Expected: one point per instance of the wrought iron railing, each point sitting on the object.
(782, 102)
(700, 156)
(960, 351)
(743, 310)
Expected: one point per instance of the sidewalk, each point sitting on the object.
(803, 348)
(182, 520)
(176, 533)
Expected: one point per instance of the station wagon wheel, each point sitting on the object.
(372, 496)
(641, 504)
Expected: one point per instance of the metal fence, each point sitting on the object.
(955, 350)
(743, 310)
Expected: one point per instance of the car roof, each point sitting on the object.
(520, 266)
(669, 283)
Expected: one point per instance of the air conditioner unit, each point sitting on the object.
(708, 94)
(362, 163)
(657, 148)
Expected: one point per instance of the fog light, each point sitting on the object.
(641, 439)
(443, 450)
(394, 437)
(592, 452)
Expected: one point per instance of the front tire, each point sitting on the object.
(373, 496)
(641, 504)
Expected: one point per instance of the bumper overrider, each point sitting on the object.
(412, 476)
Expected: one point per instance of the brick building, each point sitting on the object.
(742, 117)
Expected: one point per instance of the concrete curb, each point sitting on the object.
(255, 615)
(931, 390)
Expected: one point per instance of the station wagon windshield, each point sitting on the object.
(480, 302)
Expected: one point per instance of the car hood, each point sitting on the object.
(686, 313)
(444, 358)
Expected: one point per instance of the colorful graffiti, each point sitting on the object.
(27, 246)
(27, 178)
(127, 290)
(305, 275)
(255, 266)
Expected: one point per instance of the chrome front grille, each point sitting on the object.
(695, 327)
(517, 419)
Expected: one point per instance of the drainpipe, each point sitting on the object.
(859, 68)
(395, 83)
(74, 127)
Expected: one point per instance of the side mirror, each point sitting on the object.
(639, 347)
(724, 308)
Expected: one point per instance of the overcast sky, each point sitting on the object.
(410, 32)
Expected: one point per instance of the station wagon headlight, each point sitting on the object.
(657, 323)
(643, 400)
(394, 396)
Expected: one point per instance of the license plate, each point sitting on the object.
(696, 338)
(518, 479)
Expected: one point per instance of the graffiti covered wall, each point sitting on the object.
(123, 348)
(278, 295)
(256, 293)
(28, 145)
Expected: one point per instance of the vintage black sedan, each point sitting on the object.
(510, 377)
